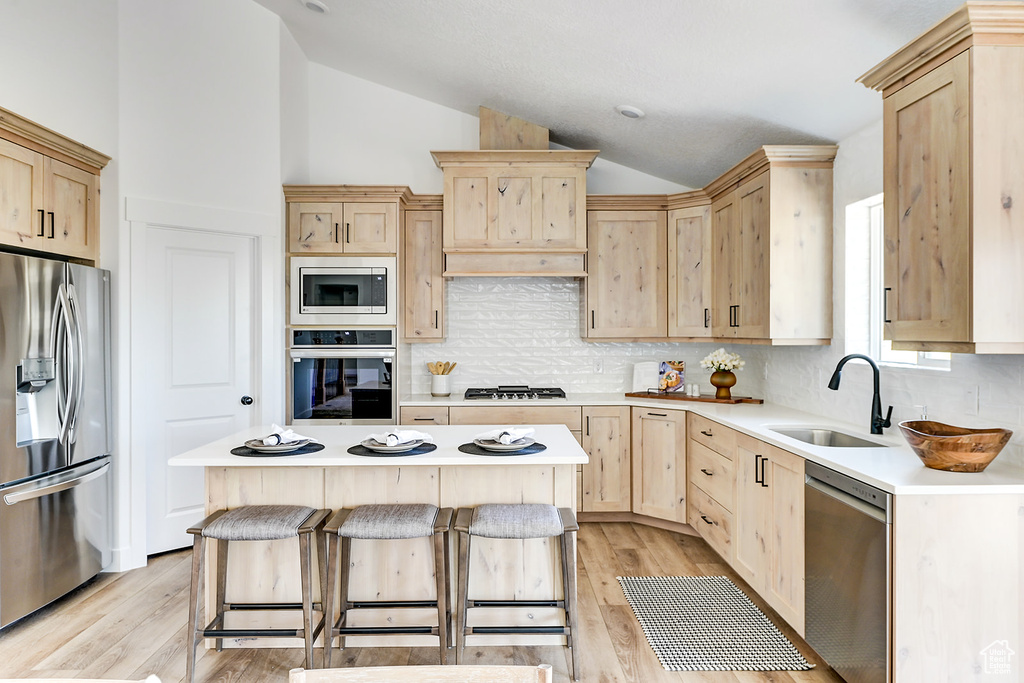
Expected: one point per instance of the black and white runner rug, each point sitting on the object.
(706, 623)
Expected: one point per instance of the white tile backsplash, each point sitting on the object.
(509, 330)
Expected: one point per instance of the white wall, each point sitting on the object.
(295, 145)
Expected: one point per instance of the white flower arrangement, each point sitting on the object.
(722, 361)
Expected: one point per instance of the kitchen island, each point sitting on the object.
(392, 570)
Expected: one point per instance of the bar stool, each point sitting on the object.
(383, 522)
(254, 523)
(519, 521)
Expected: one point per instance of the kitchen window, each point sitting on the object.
(865, 284)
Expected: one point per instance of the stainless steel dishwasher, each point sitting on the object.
(848, 536)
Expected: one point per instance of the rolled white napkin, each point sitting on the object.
(400, 436)
(506, 435)
(282, 435)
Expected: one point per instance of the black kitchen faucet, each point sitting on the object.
(877, 421)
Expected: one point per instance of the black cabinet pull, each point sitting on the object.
(335, 233)
(591, 319)
(42, 223)
(757, 463)
(706, 433)
(423, 419)
(705, 518)
(764, 483)
(707, 317)
(658, 414)
(588, 425)
(710, 474)
(436, 317)
(885, 304)
(348, 233)
(52, 221)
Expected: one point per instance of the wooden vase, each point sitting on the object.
(723, 381)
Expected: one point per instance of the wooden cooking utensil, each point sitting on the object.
(432, 368)
(450, 368)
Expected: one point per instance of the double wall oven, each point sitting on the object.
(342, 376)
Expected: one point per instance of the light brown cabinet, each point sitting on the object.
(953, 122)
(689, 272)
(515, 212)
(768, 535)
(422, 281)
(342, 227)
(626, 288)
(48, 205)
(659, 463)
(423, 415)
(606, 478)
(711, 491)
(771, 222)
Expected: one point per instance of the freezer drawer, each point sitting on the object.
(55, 534)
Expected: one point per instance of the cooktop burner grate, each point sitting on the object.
(512, 392)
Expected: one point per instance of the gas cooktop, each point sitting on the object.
(514, 392)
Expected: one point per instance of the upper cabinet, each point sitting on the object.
(49, 191)
(343, 219)
(689, 272)
(771, 247)
(953, 120)
(515, 212)
(422, 282)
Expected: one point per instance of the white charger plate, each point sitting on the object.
(260, 447)
(384, 448)
(498, 447)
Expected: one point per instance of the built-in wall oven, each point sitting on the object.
(342, 376)
(343, 290)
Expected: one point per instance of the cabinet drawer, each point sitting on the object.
(713, 435)
(711, 520)
(423, 415)
(570, 416)
(712, 472)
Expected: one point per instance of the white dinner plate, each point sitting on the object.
(497, 446)
(259, 446)
(384, 448)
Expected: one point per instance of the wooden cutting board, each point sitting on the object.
(706, 398)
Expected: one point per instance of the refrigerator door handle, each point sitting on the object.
(61, 334)
(52, 484)
(78, 366)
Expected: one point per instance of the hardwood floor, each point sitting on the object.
(133, 624)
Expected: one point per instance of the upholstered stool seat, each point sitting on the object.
(254, 523)
(519, 521)
(386, 522)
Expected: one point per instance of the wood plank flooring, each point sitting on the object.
(133, 624)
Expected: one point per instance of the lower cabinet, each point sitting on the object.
(711, 492)
(423, 415)
(606, 479)
(768, 535)
(659, 463)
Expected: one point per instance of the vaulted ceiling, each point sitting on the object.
(715, 78)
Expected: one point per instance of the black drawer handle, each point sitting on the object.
(710, 474)
(705, 518)
(657, 414)
(706, 433)
(424, 419)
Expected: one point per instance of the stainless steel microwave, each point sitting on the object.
(343, 290)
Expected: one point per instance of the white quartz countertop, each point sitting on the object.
(894, 468)
(562, 448)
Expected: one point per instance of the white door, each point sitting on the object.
(193, 343)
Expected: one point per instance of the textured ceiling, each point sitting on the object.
(716, 78)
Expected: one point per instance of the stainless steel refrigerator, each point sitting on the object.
(55, 430)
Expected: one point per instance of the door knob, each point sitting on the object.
(246, 400)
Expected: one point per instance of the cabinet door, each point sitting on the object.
(22, 216)
(689, 272)
(927, 207)
(785, 475)
(73, 211)
(659, 463)
(370, 228)
(626, 287)
(423, 285)
(750, 317)
(606, 478)
(315, 228)
(751, 540)
(724, 264)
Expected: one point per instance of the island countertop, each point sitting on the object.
(562, 448)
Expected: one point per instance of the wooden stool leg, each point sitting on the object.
(568, 539)
(448, 587)
(346, 570)
(194, 596)
(463, 599)
(306, 580)
(330, 581)
(441, 580)
(222, 582)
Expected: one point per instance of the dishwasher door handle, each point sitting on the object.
(845, 498)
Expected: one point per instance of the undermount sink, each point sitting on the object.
(822, 436)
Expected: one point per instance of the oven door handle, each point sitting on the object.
(299, 354)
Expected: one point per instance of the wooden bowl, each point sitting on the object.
(954, 449)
